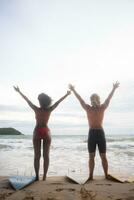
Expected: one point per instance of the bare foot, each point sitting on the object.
(108, 177)
(44, 178)
(89, 179)
(37, 178)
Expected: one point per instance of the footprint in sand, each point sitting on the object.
(51, 198)
(130, 198)
(61, 189)
(131, 190)
(108, 184)
(4, 195)
(119, 199)
(98, 184)
(71, 189)
(29, 198)
(85, 194)
(56, 184)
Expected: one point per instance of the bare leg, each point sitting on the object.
(104, 164)
(37, 154)
(46, 149)
(91, 166)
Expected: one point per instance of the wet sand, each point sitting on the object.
(60, 188)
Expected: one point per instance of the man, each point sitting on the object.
(95, 115)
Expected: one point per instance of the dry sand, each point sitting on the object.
(59, 188)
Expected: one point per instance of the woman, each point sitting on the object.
(41, 130)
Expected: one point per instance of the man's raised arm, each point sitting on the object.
(82, 102)
(107, 101)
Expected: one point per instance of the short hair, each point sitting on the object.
(95, 99)
(44, 100)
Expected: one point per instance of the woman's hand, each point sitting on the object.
(71, 87)
(16, 89)
(68, 92)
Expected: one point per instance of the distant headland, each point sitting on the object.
(9, 131)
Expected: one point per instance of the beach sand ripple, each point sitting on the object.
(58, 188)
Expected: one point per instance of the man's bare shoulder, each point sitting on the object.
(103, 106)
(88, 107)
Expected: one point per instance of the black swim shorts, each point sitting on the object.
(96, 137)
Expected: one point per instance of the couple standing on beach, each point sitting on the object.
(96, 135)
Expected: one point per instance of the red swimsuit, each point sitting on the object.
(43, 131)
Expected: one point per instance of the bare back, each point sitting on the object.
(42, 116)
(95, 116)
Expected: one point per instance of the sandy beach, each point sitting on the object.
(59, 188)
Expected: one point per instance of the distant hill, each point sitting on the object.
(9, 131)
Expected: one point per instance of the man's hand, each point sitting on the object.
(68, 92)
(116, 85)
(71, 87)
(16, 89)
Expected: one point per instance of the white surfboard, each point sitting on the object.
(118, 178)
(74, 178)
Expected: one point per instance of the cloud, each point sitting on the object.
(46, 44)
(11, 108)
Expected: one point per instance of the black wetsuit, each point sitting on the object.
(96, 137)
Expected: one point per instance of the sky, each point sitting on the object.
(45, 45)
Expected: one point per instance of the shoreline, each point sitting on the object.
(59, 188)
(17, 156)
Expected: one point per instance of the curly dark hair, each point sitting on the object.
(44, 100)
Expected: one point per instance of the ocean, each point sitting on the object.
(68, 154)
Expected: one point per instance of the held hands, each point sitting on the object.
(68, 92)
(116, 85)
(16, 88)
(71, 87)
